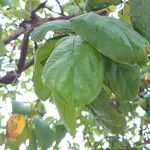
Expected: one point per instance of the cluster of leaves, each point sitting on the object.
(91, 63)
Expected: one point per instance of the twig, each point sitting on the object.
(27, 26)
(52, 10)
(23, 53)
(28, 64)
(79, 6)
(61, 9)
(42, 5)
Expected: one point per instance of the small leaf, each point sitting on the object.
(39, 33)
(123, 80)
(60, 132)
(113, 38)
(2, 48)
(30, 5)
(2, 138)
(5, 2)
(68, 115)
(92, 5)
(74, 72)
(44, 134)
(21, 14)
(32, 140)
(42, 54)
(15, 126)
(21, 108)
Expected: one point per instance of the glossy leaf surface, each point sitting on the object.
(123, 80)
(112, 38)
(42, 54)
(107, 116)
(140, 15)
(74, 72)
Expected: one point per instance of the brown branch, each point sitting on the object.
(23, 53)
(13, 76)
(28, 26)
(9, 78)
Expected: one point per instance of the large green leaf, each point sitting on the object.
(67, 113)
(74, 72)
(140, 16)
(106, 115)
(21, 108)
(44, 134)
(42, 54)
(39, 33)
(123, 80)
(112, 38)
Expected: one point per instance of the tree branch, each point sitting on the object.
(28, 26)
(12, 76)
(42, 5)
(23, 53)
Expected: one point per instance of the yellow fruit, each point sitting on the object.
(15, 126)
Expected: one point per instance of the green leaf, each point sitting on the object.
(123, 80)
(31, 5)
(21, 108)
(60, 132)
(125, 107)
(44, 134)
(125, 16)
(92, 5)
(67, 113)
(43, 53)
(5, 2)
(112, 38)
(21, 14)
(140, 16)
(107, 116)
(39, 33)
(32, 140)
(74, 72)
(2, 48)
(74, 10)
(2, 138)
